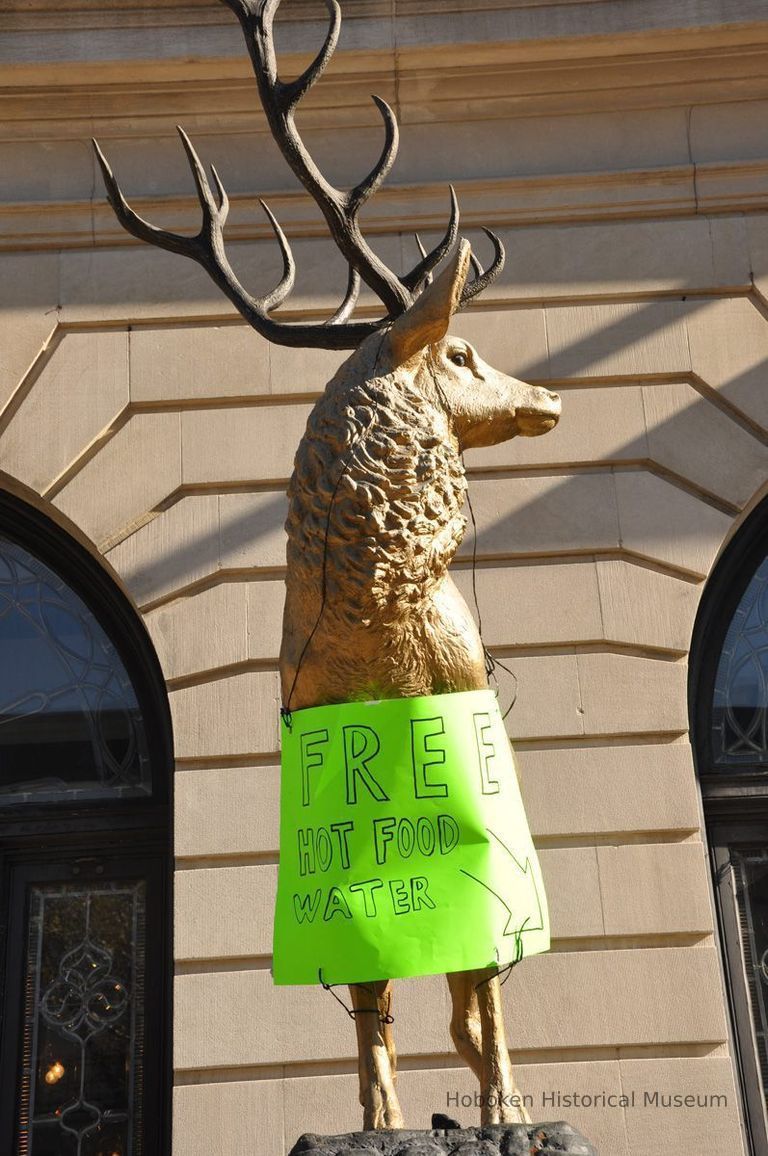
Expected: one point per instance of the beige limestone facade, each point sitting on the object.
(620, 149)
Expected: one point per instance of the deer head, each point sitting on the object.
(483, 406)
(377, 494)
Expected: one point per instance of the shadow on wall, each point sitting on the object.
(552, 516)
(204, 550)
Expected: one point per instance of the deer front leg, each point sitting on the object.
(376, 1056)
(466, 1032)
(501, 1100)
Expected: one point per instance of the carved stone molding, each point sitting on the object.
(42, 39)
(540, 200)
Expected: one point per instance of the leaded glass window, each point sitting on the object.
(740, 706)
(70, 724)
(83, 1031)
(750, 867)
(729, 701)
(86, 758)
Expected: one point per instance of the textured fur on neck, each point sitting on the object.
(379, 471)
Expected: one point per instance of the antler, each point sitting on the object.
(207, 248)
(341, 210)
(484, 277)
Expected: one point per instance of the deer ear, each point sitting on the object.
(428, 318)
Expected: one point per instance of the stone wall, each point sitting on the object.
(624, 161)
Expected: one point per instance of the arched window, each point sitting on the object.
(85, 856)
(729, 712)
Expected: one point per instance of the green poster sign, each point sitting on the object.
(404, 847)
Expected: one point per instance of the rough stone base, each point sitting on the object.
(493, 1140)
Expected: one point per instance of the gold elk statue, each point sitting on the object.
(377, 493)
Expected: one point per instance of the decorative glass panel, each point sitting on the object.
(751, 871)
(83, 1021)
(70, 725)
(740, 706)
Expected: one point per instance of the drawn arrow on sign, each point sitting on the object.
(514, 927)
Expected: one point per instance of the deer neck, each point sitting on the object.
(376, 503)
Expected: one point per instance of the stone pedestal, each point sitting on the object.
(493, 1140)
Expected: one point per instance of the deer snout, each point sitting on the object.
(538, 413)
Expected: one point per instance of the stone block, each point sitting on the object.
(604, 790)
(244, 901)
(706, 1115)
(644, 607)
(573, 892)
(47, 170)
(758, 251)
(610, 258)
(226, 811)
(727, 131)
(231, 1115)
(729, 350)
(211, 1030)
(28, 317)
(265, 618)
(321, 278)
(534, 515)
(302, 370)
(558, 1001)
(566, 695)
(194, 362)
(618, 339)
(731, 265)
(244, 898)
(622, 694)
(251, 529)
(655, 889)
(231, 716)
(137, 282)
(130, 475)
(694, 439)
(614, 891)
(530, 605)
(225, 624)
(545, 691)
(253, 444)
(78, 394)
(155, 165)
(579, 999)
(601, 141)
(578, 792)
(179, 546)
(582, 600)
(546, 1086)
(200, 535)
(329, 1102)
(660, 521)
(201, 632)
(240, 1118)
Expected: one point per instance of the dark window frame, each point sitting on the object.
(53, 836)
(734, 801)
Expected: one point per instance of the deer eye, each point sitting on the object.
(459, 359)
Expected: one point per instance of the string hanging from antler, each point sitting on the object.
(280, 100)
